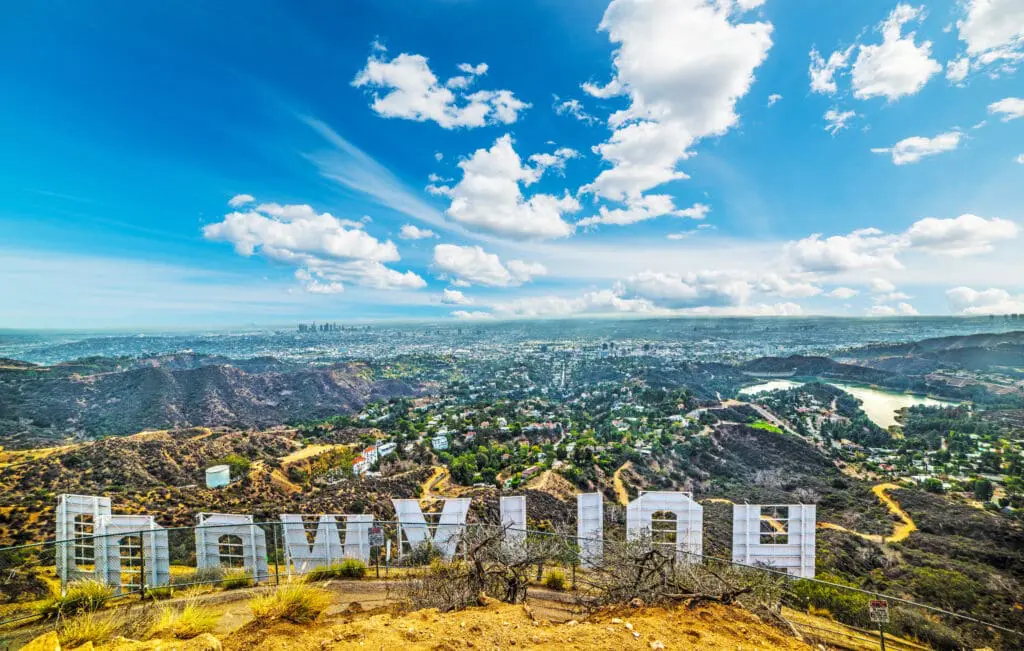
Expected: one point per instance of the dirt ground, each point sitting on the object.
(501, 626)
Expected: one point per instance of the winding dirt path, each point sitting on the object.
(621, 494)
(899, 532)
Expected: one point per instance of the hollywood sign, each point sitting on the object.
(92, 541)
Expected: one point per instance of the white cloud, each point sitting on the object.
(405, 87)
(706, 288)
(607, 301)
(957, 69)
(843, 293)
(965, 300)
(643, 208)
(471, 264)
(773, 98)
(993, 30)
(837, 120)
(475, 315)
(871, 248)
(574, 108)
(897, 66)
(240, 200)
(281, 231)
(411, 232)
(823, 72)
(455, 297)
(793, 287)
(902, 309)
(314, 285)
(683, 65)
(867, 248)
(490, 197)
(356, 171)
(555, 160)
(326, 250)
(913, 149)
(881, 285)
(962, 236)
(1010, 108)
(523, 272)
(1020, 159)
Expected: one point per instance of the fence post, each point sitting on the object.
(277, 553)
(142, 566)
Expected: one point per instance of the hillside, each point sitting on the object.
(103, 396)
(976, 352)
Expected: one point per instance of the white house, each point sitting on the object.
(439, 442)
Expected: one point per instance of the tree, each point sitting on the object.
(982, 489)
(933, 485)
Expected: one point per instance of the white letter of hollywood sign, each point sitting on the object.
(90, 540)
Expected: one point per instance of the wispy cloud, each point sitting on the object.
(356, 170)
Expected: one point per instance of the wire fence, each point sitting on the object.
(53, 580)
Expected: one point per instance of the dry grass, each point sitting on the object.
(296, 602)
(184, 623)
(88, 627)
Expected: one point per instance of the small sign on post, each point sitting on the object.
(376, 542)
(376, 537)
(879, 611)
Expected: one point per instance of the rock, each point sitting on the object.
(636, 602)
(629, 627)
(45, 642)
(616, 620)
(657, 644)
(204, 642)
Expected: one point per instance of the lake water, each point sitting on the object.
(880, 406)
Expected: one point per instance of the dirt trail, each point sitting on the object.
(621, 494)
(435, 482)
(899, 532)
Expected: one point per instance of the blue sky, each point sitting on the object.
(169, 164)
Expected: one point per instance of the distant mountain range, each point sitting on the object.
(101, 396)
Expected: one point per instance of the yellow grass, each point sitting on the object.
(620, 489)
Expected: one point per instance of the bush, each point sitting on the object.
(235, 579)
(85, 628)
(184, 623)
(421, 555)
(350, 568)
(202, 576)
(295, 602)
(86, 595)
(845, 606)
(555, 580)
(160, 593)
(917, 625)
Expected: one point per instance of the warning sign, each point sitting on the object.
(879, 611)
(376, 537)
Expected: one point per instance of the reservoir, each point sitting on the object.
(879, 405)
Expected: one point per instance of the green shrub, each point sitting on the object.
(160, 593)
(349, 568)
(845, 606)
(915, 624)
(235, 579)
(555, 580)
(87, 595)
(295, 602)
